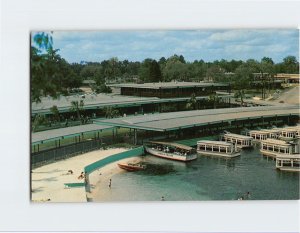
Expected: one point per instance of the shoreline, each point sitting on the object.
(99, 180)
(47, 182)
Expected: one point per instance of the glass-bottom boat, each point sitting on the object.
(169, 150)
(217, 148)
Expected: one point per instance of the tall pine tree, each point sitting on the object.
(155, 72)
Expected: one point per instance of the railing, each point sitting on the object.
(113, 158)
(63, 152)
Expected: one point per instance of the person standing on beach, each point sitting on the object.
(109, 185)
(248, 195)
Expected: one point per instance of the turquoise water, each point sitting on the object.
(207, 178)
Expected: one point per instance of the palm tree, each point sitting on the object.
(192, 102)
(111, 112)
(55, 112)
(240, 94)
(38, 120)
(214, 99)
(77, 107)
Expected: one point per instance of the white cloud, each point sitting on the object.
(231, 35)
(194, 44)
(276, 48)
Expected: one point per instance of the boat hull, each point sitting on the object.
(244, 146)
(286, 138)
(130, 168)
(289, 169)
(209, 153)
(270, 153)
(170, 156)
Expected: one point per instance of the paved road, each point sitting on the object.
(290, 97)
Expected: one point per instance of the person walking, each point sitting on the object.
(109, 185)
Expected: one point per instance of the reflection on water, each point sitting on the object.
(154, 169)
(208, 178)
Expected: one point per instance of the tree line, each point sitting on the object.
(52, 75)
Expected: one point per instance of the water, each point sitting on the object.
(207, 178)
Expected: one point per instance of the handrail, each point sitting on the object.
(113, 158)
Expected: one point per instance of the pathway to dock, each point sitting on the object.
(290, 97)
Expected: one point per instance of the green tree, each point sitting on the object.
(39, 119)
(267, 73)
(112, 70)
(111, 112)
(216, 73)
(154, 72)
(144, 70)
(244, 75)
(43, 40)
(214, 99)
(291, 65)
(192, 102)
(175, 69)
(241, 95)
(77, 106)
(54, 110)
(198, 70)
(50, 74)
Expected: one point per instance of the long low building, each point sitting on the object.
(171, 89)
(174, 126)
(54, 134)
(187, 119)
(100, 101)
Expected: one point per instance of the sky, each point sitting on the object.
(209, 45)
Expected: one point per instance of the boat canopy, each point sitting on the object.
(173, 144)
(214, 143)
(276, 142)
(237, 136)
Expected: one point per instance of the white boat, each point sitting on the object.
(259, 135)
(289, 133)
(217, 148)
(288, 162)
(173, 151)
(274, 147)
(241, 141)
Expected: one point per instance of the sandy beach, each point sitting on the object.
(101, 177)
(48, 181)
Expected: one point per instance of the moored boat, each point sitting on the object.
(217, 148)
(263, 134)
(241, 141)
(288, 162)
(274, 147)
(169, 150)
(131, 166)
(289, 133)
